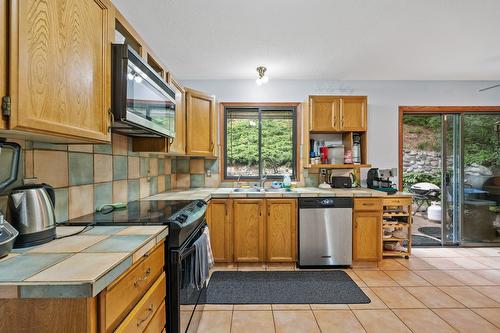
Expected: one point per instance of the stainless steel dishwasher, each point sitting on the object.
(325, 232)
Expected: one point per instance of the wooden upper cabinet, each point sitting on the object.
(324, 113)
(178, 145)
(248, 219)
(337, 113)
(353, 113)
(60, 68)
(219, 222)
(200, 124)
(281, 232)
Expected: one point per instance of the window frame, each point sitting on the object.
(293, 107)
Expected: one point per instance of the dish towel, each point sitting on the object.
(201, 266)
(211, 260)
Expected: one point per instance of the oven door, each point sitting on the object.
(185, 315)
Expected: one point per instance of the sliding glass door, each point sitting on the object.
(481, 179)
(451, 179)
(457, 154)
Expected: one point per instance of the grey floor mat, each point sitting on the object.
(312, 287)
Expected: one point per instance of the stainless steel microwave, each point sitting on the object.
(143, 104)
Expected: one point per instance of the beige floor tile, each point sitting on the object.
(252, 307)
(465, 321)
(247, 267)
(365, 265)
(415, 263)
(337, 321)
(467, 252)
(215, 322)
(355, 278)
(491, 292)
(284, 307)
(491, 315)
(329, 306)
(252, 321)
(469, 263)
(488, 251)
(442, 263)
(216, 307)
(375, 278)
(469, 297)
(433, 297)
(439, 278)
(469, 278)
(375, 304)
(423, 321)
(438, 252)
(397, 298)
(391, 264)
(295, 322)
(490, 275)
(491, 262)
(378, 321)
(407, 278)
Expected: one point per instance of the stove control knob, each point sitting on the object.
(200, 204)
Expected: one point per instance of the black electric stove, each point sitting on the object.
(186, 222)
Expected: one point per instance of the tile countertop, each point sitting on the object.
(76, 266)
(213, 193)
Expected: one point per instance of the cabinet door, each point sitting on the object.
(353, 113)
(219, 223)
(281, 225)
(200, 126)
(178, 145)
(367, 239)
(60, 68)
(3, 54)
(248, 219)
(324, 113)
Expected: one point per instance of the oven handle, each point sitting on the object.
(187, 252)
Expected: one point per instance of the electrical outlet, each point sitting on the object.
(209, 173)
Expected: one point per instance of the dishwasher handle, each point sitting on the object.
(320, 202)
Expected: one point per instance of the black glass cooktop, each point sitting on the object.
(136, 213)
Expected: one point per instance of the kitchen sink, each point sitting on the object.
(258, 190)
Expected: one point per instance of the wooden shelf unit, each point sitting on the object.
(399, 209)
(337, 166)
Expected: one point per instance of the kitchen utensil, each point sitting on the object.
(30, 209)
(7, 237)
(336, 154)
(14, 162)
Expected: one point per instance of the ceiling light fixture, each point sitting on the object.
(261, 71)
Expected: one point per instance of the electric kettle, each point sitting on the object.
(30, 209)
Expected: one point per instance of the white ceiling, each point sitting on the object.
(322, 39)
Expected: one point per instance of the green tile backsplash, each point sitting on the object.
(86, 176)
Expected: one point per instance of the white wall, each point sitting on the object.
(384, 98)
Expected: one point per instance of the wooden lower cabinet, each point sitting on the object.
(134, 302)
(281, 230)
(219, 220)
(367, 236)
(248, 219)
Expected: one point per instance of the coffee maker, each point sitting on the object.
(381, 180)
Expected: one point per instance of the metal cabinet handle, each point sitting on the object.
(146, 275)
(112, 119)
(149, 312)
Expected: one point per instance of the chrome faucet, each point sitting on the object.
(262, 180)
(237, 185)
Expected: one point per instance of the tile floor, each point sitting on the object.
(436, 290)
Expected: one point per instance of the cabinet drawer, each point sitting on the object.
(158, 321)
(144, 312)
(122, 295)
(396, 201)
(367, 204)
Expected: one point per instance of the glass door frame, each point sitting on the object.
(458, 199)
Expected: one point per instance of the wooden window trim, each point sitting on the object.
(430, 110)
(222, 126)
